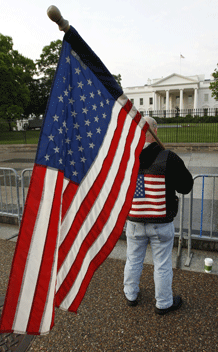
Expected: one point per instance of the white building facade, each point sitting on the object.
(186, 94)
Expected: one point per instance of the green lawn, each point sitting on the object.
(19, 137)
(190, 133)
(187, 133)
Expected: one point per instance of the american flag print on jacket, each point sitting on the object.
(150, 197)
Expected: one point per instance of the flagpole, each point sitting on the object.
(156, 138)
(55, 15)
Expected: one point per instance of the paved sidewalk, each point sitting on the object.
(105, 323)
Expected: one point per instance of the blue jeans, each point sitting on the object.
(161, 238)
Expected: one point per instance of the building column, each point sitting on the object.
(167, 102)
(195, 98)
(181, 100)
(154, 101)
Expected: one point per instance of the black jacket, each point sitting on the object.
(154, 161)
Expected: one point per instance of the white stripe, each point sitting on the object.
(100, 241)
(97, 206)
(154, 179)
(147, 185)
(156, 200)
(152, 213)
(49, 306)
(35, 253)
(154, 193)
(88, 181)
(154, 206)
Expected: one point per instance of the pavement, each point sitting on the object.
(104, 322)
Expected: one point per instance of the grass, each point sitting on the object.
(190, 133)
(19, 137)
(187, 133)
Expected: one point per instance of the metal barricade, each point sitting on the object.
(9, 193)
(25, 182)
(202, 213)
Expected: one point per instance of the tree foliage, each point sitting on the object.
(47, 65)
(25, 85)
(118, 79)
(214, 84)
(16, 72)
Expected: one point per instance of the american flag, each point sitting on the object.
(80, 193)
(149, 199)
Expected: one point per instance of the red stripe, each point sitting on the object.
(88, 202)
(115, 234)
(68, 196)
(150, 196)
(154, 176)
(22, 248)
(155, 190)
(137, 118)
(145, 203)
(146, 125)
(48, 258)
(154, 183)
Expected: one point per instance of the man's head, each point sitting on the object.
(153, 126)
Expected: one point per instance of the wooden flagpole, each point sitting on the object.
(55, 15)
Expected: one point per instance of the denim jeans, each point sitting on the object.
(161, 238)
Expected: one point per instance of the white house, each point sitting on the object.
(173, 92)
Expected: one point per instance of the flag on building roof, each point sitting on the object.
(80, 193)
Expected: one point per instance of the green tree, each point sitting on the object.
(47, 65)
(16, 72)
(118, 79)
(214, 85)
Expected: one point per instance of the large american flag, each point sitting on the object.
(80, 193)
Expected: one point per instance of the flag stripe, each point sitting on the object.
(94, 212)
(47, 273)
(68, 196)
(22, 248)
(110, 227)
(93, 229)
(35, 253)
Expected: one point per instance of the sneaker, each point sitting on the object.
(132, 303)
(177, 302)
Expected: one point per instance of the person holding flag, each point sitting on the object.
(154, 206)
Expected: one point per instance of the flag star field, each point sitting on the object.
(80, 110)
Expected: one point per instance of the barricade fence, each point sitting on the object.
(197, 217)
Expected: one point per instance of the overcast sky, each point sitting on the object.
(139, 39)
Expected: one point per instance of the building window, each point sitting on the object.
(205, 97)
(164, 100)
(190, 99)
(177, 100)
(151, 101)
(141, 101)
(132, 101)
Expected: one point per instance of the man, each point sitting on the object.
(154, 207)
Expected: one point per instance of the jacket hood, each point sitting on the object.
(148, 155)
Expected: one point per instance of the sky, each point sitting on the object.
(139, 39)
